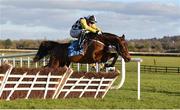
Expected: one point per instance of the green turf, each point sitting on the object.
(158, 91)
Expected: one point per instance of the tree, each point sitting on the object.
(7, 43)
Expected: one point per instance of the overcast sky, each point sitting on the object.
(52, 19)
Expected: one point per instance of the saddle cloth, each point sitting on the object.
(73, 49)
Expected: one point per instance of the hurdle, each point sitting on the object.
(25, 83)
(123, 73)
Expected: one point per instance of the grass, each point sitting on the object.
(158, 91)
(161, 61)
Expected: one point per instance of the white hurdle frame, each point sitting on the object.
(20, 81)
(86, 85)
(138, 60)
(123, 71)
(99, 90)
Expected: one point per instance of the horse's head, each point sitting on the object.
(122, 48)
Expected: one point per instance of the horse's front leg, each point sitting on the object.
(115, 57)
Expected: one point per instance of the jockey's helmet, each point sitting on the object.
(92, 19)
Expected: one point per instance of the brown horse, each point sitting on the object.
(95, 51)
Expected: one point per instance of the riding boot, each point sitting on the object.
(81, 42)
(81, 38)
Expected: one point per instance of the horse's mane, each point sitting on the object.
(50, 41)
(58, 43)
(109, 34)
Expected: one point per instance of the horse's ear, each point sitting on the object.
(123, 36)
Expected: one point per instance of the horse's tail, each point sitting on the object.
(44, 49)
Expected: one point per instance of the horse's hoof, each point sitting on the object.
(110, 69)
(107, 65)
(6, 62)
(35, 59)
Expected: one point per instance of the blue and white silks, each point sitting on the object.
(74, 50)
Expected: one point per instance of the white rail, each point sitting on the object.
(21, 59)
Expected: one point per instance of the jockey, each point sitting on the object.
(82, 26)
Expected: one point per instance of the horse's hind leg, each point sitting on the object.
(53, 62)
(68, 63)
(47, 65)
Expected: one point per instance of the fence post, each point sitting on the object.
(36, 64)
(78, 67)
(21, 62)
(123, 73)
(87, 67)
(1, 60)
(139, 77)
(44, 61)
(14, 61)
(155, 68)
(97, 67)
(145, 68)
(28, 62)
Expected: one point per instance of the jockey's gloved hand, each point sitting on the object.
(87, 32)
(99, 32)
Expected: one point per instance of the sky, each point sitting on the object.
(52, 19)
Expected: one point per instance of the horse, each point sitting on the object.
(95, 51)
